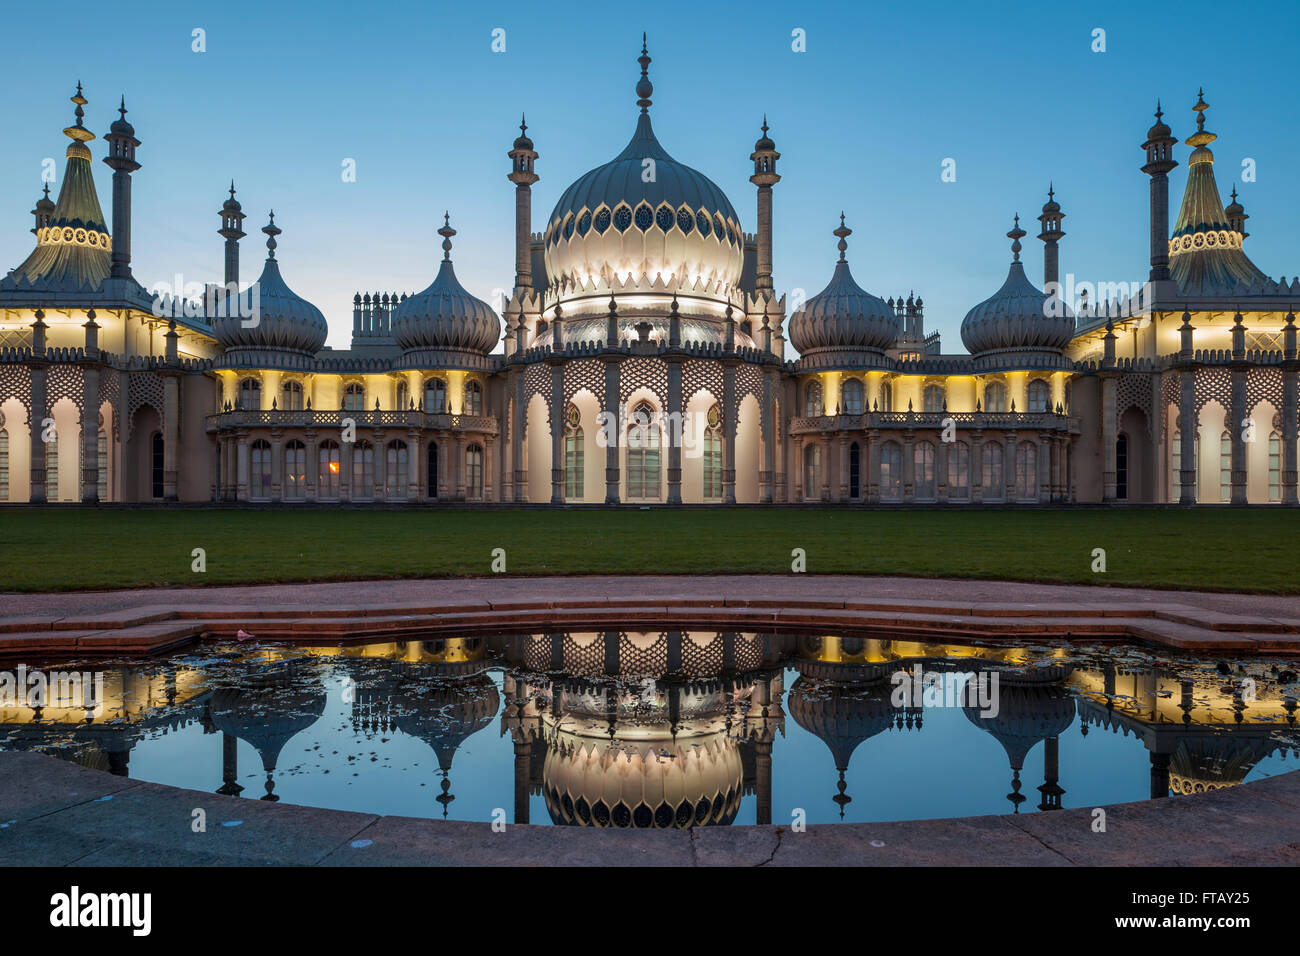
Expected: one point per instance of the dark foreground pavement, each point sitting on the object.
(55, 813)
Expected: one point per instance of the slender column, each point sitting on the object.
(768, 426)
(380, 491)
(459, 467)
(941, 470)
(1159, 775)
(311, 467)
(873, 467)
(844, 466)
(241, 492)
(731, 421)
(1188, 466)
(1236, 429)
(763, 782)
(976, 467)
(557, 432)
(489, 457)
(277, 466)
(414, 466)
(90, 434)
(798, 468)
(1108, 438)
(825, 443)
(1290, 413)
(909, 468)
(523, 764)
(36, 428)
(517, 438)
(675, 440)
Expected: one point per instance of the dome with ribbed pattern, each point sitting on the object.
(445, 316)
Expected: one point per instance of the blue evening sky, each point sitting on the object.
(413, 92)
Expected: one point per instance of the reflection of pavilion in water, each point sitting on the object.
(669, 729)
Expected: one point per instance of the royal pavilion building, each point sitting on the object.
(643, 356)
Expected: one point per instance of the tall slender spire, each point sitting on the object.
(644, 87)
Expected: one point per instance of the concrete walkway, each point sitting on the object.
(55, 813)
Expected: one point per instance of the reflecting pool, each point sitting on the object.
(666, 729)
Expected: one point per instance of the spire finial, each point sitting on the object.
(1051, 191)
(644, 87)
(122, 107)
(232, 189)
(764, 124)
(523, 122)
(843, 232)
(80, 101)
(446, 232)
(1159, 111)
(1200, 107)
(271, 230)
(1015, 235)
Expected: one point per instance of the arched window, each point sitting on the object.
(995, 397)
(812, 470)
(403, 395)
(295, 470)
(852, 397)
(474, 472)
(713, 453)
(259, 470)
(958, 471)
(435, 396)
(363, 471)
(1225, 466)
(1274, 467)
(4, 465)
(933, 398)
(643, 453)
(855, 471)
(473, 398)
(991, 468)
(101, 465)
(52, 470)
(397, 471)
(156, 466)
(812, 405)
(354, 397)
(923, 471)
(433, 469)
(327, 470)
(1040, 396)
(1121, 466)
(891, 471)
(886, 397)
(291, 400)
(1027, 471)
(250, 394)
(574, 457)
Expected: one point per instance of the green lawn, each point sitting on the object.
(62, 549)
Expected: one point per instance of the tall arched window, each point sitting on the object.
(713, 454)
(433, 469)
(995, 397)
(933, 398)
(291, 399)
(855, 471)
(473, 398)
(250, 394)
(435, 396)
(4, 465)
(886, 397)
(812, 470)
(1274, 467)
(852, 395)
(1121, 466)
(991, 471)
(1040, 396)
(812, 405)
(574, 456)
(363, 471)
(474, 472)
(259, 470)
(156, 465)
(397, 470)
(327, 470)
(354, 397)
(923, 471)
(295, 470)
(958, 471)
(891, 471)
(52, 470)
(403, 395)
(1027, 471)
(101, 465)
(643, 453)
(1225, 466)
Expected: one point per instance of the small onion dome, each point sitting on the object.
(522, 141)
(45, 205)
(1051, 206)
(1017, 316)
(121, 126)
(764, 142)
(842, 715)
(285, 320)
(843, 315)
(446, 714)
(232, 205)
(445, 315)
(1234, 208)
(1160, 130)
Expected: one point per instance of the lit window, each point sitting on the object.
(574, 461)
(812, 405)
(923, 471)
(1040, 394)
(435, 396)
(250, 394)
(643, 453)
(295, 470)
(292, 397)
(1275, 467)
(852, 397)
(713, 454)
(327, 470)
(354, 398)
(932, 398)
(995, 397)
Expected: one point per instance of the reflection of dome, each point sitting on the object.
(1026, 714)
(444, 716)
(445, 316)
(590, 781)
(843, 315)
(644, 214)
(285, 321)
(1208, 763)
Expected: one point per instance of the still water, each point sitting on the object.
(661, 729)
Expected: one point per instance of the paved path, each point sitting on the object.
(56, 813)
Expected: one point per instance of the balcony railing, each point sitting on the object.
(319, 418)
(1008, 421)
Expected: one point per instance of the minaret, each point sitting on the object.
(765, 177)
(121, 159)
(525, 303)
(1051, 235)
(232, 230)
(44, 210)
(1237, 216)
(1160, 160)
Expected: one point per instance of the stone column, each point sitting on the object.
(415, 465)
(768, 426)
(941, 470)
(489, 458)
(1290, 413)
(380, 491)
(763, 782)
(557, 432)
(825, 442)
(873, 467)
(36, 427)
(517, 430)
(459, 466)
(89, 434)
(976, 467)
(798, 468)
(345, 470)
(909, 468)
(1188, 466)
(311, 467)
(730, 422)
(241, 493)
(1236, 427)
(675, 440)
(1108, 438)
(1044, 469)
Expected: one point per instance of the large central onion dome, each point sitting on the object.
(1018, 317)
(641, 216)
(285, 321)
(445, 317)
(844, 315)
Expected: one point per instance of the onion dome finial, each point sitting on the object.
(843, 232)
(522, 141)
(79, 132)
(271, 230)
(1015, 235)
(1202, 137)
(644, 87)
(121, 126)
(765, 143)
(446, 232)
